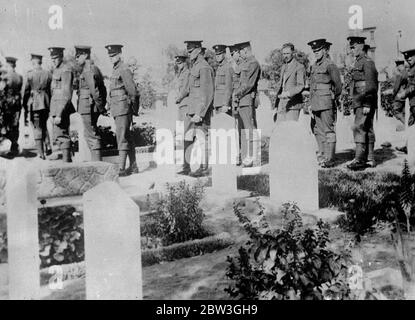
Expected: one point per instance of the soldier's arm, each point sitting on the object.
(253, 77)
(371, 78)
(336, 79)
(184, 91)
(128, 80)
(90, 78)
(228, 86)
(300, 81)
(206, 83)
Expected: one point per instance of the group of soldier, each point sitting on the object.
(232, 89)
(48, 95)
(202, 93)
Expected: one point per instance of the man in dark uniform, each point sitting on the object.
(36, 102)
(201, 87)
(408, 91)
(244, 97)
(325, 88)
(13, 105)
(92, 97)
(222, 100)
(365, 88)
(61, 102)
(124, 103)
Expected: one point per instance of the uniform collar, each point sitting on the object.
(117, 65)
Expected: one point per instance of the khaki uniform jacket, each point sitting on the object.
(292, 79)
(364, 83)
(123, 91)
(325, 85)
(36, 95)
(92, 94)
(223, 85)
(183, 87)
(61, 87)
(250, 74)
(200, 87)
(410, 91)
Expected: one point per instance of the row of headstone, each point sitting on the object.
(112, 239)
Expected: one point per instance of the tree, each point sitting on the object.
(169, 53)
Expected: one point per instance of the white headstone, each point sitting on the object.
(83, 154)
(22, 231)
(112, 244)
(224, 150)
(294, 171)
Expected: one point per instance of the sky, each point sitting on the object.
(146, 27)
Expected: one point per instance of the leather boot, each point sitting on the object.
(96, 155)
(122, 158)
(359, 162)
(132, 169)
(330, 152)
(371, 155)
(66, 155)
(39, 149)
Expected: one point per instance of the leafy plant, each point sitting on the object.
(178, 216)
(143, 134)
(291, 262)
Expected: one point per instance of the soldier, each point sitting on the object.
(365, 88)
(409, 90)
(12, 104)
(400, 81)
(124, 103)
(325, 88)
(36, 103)
(222, 100)
(244, 97)
(92, 98)
(289, 100)
(182, 100)
(200, 103)
(61, 102)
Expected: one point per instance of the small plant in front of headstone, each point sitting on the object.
(178, 216)
(143, 134)
(287, 263)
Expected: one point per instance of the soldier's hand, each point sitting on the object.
(366, 110)
(196, 118)
(224, 109)
(57, 120)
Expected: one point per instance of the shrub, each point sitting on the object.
(61, 236)
(178, 216)
(291, 262)
(143, 134)
(108, 138)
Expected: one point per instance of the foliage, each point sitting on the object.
(145, 86)
(386, 97)
(143, 134)
(108, 138)
(407, 194)
(178, 216)
(345, 97)
(169, 53)
(61, 236)
(288, 263)
(274, 61)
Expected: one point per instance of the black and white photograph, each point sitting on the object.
(220, 151)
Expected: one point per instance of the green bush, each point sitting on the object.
(178, 216)
(288, 263)
(61, 236)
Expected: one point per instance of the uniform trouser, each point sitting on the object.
(288, 115)
(246, 125)
(39, 120)
(90, 130)
(198, 131)
(364, 134)
(399, 110)
(323, 127)
(61, 132)
(12, 122)
(411, 120)
(122, 132)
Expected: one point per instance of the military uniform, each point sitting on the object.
(325, 87)
(409, 91)
(36, 101)
(61, 103)
(400, 81)
(201, 92)
(92, 96)
(245, 96)
(223, 82)
(365, 88)
(124, 103)
(13, 106)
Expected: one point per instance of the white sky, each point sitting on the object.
(145, 27)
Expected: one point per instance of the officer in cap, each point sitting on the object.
(124, 103)
(365, 88)
(92, 98)
(409, 90)
(36, 103)
(244, 98)
(223, 81)
(325, 88)
(201, 91)
(12, 94)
